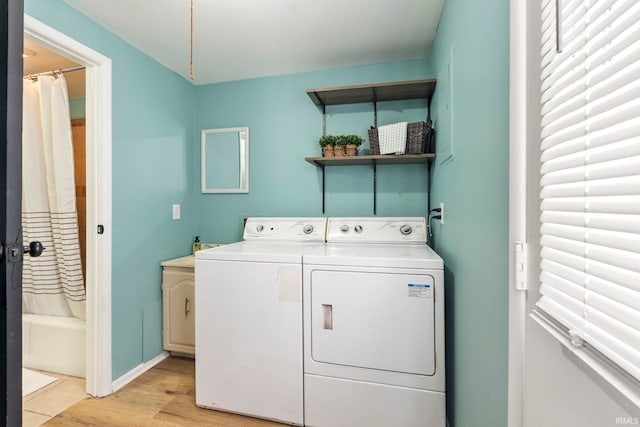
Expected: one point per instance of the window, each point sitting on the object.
(590, 184)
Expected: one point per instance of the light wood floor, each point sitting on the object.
(162, 396)
(49, 401)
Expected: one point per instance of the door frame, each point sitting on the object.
(98, 120)
(10, 235)
(518, 119)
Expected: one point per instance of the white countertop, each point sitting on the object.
(187, 261)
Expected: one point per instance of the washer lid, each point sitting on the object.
(375, 255)
(251, 251)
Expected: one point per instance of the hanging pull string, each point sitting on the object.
(193, 76)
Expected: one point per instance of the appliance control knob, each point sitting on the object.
(357, 228)
(259, 228)
(307, 229)
(406, 229)
(344, 228)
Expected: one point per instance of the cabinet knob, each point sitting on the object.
(187, 306)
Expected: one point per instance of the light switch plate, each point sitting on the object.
(176, 211)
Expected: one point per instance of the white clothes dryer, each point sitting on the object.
(248, 316)
(374, 326)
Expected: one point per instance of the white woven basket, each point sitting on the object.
(393, 138)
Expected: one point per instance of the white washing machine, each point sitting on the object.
(248, 316)
(374, 326)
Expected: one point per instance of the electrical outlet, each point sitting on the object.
(441, 212)
(176, 211)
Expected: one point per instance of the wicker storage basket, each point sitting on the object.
(416, 139)
(430, 139)
(374, 146)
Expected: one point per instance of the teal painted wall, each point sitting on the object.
(284, 127)
(156, 121)
(153, 157)
(77, 108)
(473, 185)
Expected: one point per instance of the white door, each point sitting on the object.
(548, 385)
(379, 321)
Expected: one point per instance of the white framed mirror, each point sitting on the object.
(225, 160)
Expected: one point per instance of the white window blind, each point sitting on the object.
(590, 175)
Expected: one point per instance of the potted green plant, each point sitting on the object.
(352, 144)
(327, 143)
(339, 147)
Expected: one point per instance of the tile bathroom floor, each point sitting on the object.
(47, 402)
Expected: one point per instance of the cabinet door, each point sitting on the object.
(179, 324)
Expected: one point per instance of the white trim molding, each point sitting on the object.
(517, 207)
(98, 119)
(138, 370)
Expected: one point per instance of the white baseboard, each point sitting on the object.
(137, 371)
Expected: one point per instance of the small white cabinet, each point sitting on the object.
(178, 317)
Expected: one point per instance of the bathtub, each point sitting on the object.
(54, 344)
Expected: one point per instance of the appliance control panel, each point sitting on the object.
(411, 230)
(285, 229)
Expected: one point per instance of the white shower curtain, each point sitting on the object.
(52, 283)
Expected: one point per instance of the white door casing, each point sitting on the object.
(98, 120)
(517, 206)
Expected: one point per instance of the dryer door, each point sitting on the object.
(373, 320)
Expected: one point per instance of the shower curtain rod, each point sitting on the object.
(54, 72)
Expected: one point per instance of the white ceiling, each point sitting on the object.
(240, 39)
